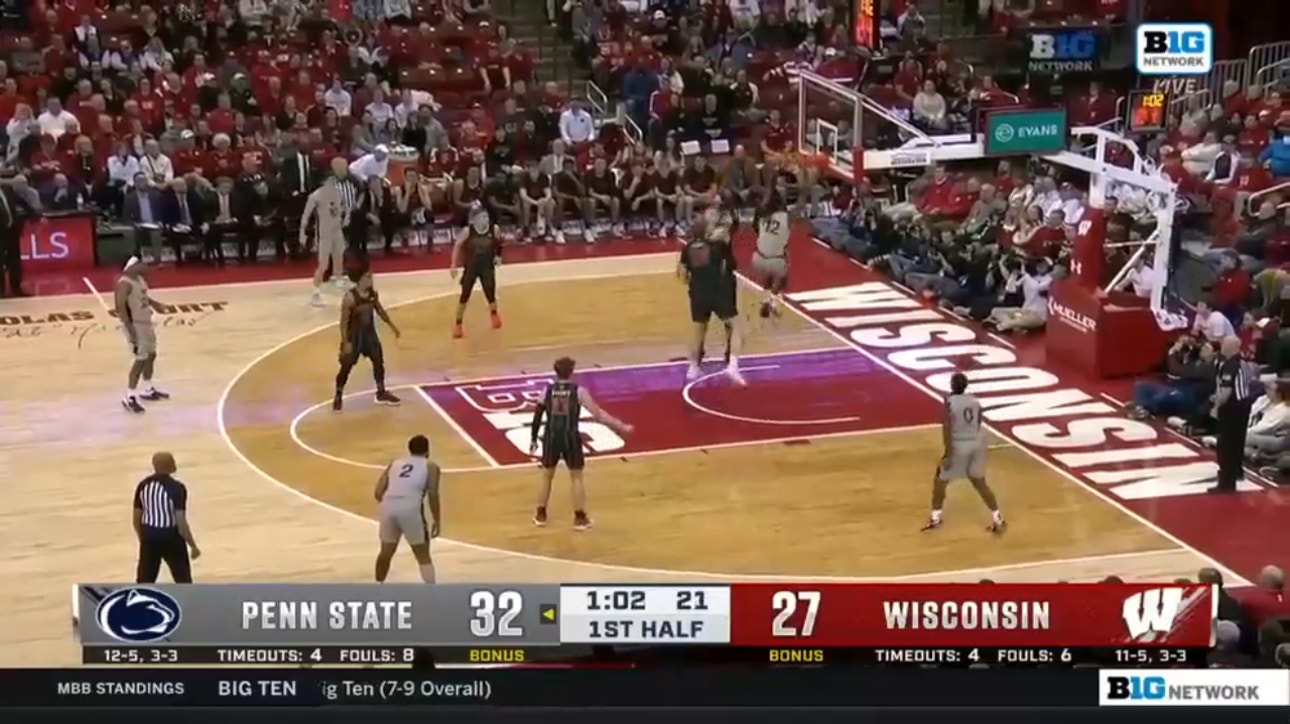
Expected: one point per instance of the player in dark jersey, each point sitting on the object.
(557, 437)
(718, 224)
(707, 264)
(603, 192)
(358, 312)
(570, 200)
(536, 203)
(502, 199)
(479, 250)
(672, 207)
(637, 195)
(466, 195)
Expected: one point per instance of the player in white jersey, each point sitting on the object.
(134, 307)
(405, 489)
(965, 445)
(770, 259)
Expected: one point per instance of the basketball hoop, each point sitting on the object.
(830, 118)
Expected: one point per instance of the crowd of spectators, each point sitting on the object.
(229, 113)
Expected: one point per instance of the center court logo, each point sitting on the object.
(1174, 49)
(138, 615)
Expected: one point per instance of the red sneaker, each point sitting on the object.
(457, 331)
(497, 320)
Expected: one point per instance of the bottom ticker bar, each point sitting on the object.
(638, 656)
(501, 687)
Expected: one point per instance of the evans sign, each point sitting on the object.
(1016, 133)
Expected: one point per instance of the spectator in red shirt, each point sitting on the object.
(1254, 137)
(1093, 107)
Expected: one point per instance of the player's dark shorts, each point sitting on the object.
(719, 303)
(571, 454)
(478, 271)
(364, 345)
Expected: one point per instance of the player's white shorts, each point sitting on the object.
(330, 246)
(141, 339)
(770, 267)
(406, 521)
(966, 460)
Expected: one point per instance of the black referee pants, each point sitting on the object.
(167, 546)
(1233, 421)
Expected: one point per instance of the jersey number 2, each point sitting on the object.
(406, 470)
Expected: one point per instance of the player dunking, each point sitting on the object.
(770, 259)
(965, 445)
(134, 307)
(555, 422)
(402, 492)
(708, 265)
(358, 338)
(479, 250)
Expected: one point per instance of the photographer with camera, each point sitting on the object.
(1185, 387)
(1032, 281)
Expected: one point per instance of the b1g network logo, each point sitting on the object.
(1175, 49)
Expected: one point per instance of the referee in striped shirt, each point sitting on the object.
(161, 524)
(1232, 400)
(348, 188)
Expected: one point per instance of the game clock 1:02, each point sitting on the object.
(1148, 111)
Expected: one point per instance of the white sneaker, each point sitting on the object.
(589, 236)
(693, 372)
(316, 299)
(559, 237)
(733, 373)
(661, 231)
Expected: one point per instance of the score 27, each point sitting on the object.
(795, 613)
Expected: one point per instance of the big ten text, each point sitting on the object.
(257, 689)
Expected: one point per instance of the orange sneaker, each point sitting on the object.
(497, 320)
(457, 331)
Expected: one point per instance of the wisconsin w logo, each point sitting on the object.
(1152, 611)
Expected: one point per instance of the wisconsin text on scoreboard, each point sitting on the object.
(795, 623)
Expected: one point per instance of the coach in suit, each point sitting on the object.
(183, 216)
(297, 178)
(142, 208)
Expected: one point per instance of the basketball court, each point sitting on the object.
(819, 468)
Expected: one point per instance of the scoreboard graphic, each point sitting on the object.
(522, 624)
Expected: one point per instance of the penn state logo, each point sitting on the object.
(138, 615)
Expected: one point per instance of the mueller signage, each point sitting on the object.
(1063, 50)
